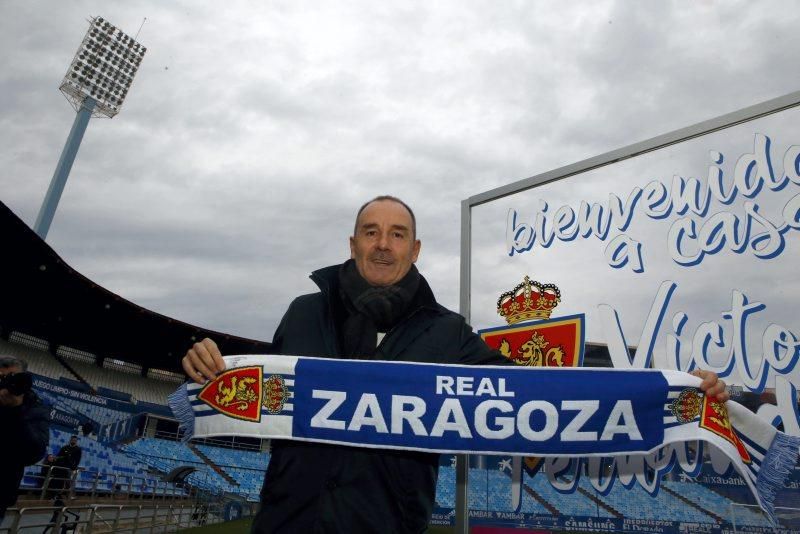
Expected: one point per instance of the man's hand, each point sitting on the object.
(712, 386)
(203, 361)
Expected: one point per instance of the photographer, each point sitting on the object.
(25, 423)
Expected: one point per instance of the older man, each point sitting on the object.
(374, 306)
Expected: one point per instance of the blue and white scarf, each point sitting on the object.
(547, 412)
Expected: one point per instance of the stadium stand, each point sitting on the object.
(98, 414)
(636, 502)
(714, 502)
(245, 467)
(530, 505)
(446, 487)
(39, 360)
(686, 502)
(567, 504)
(103, 470)
(478, 489)
(139, 387)
(114, 381)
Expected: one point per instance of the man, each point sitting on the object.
(374, 306)
(69, 458)
(25, 423)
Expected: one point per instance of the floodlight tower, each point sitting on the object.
(96, 84)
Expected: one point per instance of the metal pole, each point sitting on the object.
(46, 481)
(50, 203)
(462, 460)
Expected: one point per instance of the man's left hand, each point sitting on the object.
(712, 386)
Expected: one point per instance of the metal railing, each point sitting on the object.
(226, 443)
(55, 481)
(122, 518)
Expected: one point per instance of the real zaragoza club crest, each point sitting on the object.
(691, 405)
(541, 341)
(243, 393)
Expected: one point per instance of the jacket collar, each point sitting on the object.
(417, 322)
(327, 279)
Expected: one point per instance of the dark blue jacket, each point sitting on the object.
(326, 488)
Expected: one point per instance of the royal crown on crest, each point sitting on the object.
(529, 300)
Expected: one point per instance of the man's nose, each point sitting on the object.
(383, 242)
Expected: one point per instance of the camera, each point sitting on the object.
(17, 383)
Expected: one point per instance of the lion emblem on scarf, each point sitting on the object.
(238, 395)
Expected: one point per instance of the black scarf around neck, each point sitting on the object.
(372, 309)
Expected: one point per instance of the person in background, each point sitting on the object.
(25, 422)
(69, 458)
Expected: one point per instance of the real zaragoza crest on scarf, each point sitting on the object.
(243, 393)
(532, 338)
(690, 405)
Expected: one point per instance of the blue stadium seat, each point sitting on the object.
(637, 503)
(102, 468)
(164, 455)
(716, 503)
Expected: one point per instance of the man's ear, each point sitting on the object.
(352, 247)
(415, 253)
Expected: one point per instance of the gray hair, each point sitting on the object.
(7, 362)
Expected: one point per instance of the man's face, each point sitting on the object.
(73, 441)
(6, 398)
(384, 247)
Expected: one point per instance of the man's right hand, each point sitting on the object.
(203, 361)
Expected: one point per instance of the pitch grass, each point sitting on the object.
(242, 526)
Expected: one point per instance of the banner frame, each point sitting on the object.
(699, 129)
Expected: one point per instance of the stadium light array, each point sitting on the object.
(96, 84)
(103, 68)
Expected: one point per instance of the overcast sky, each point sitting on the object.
(253, 131)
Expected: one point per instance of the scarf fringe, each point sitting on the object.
(776, 467)
(182, 408)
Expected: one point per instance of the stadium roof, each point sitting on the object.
(46, 298)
